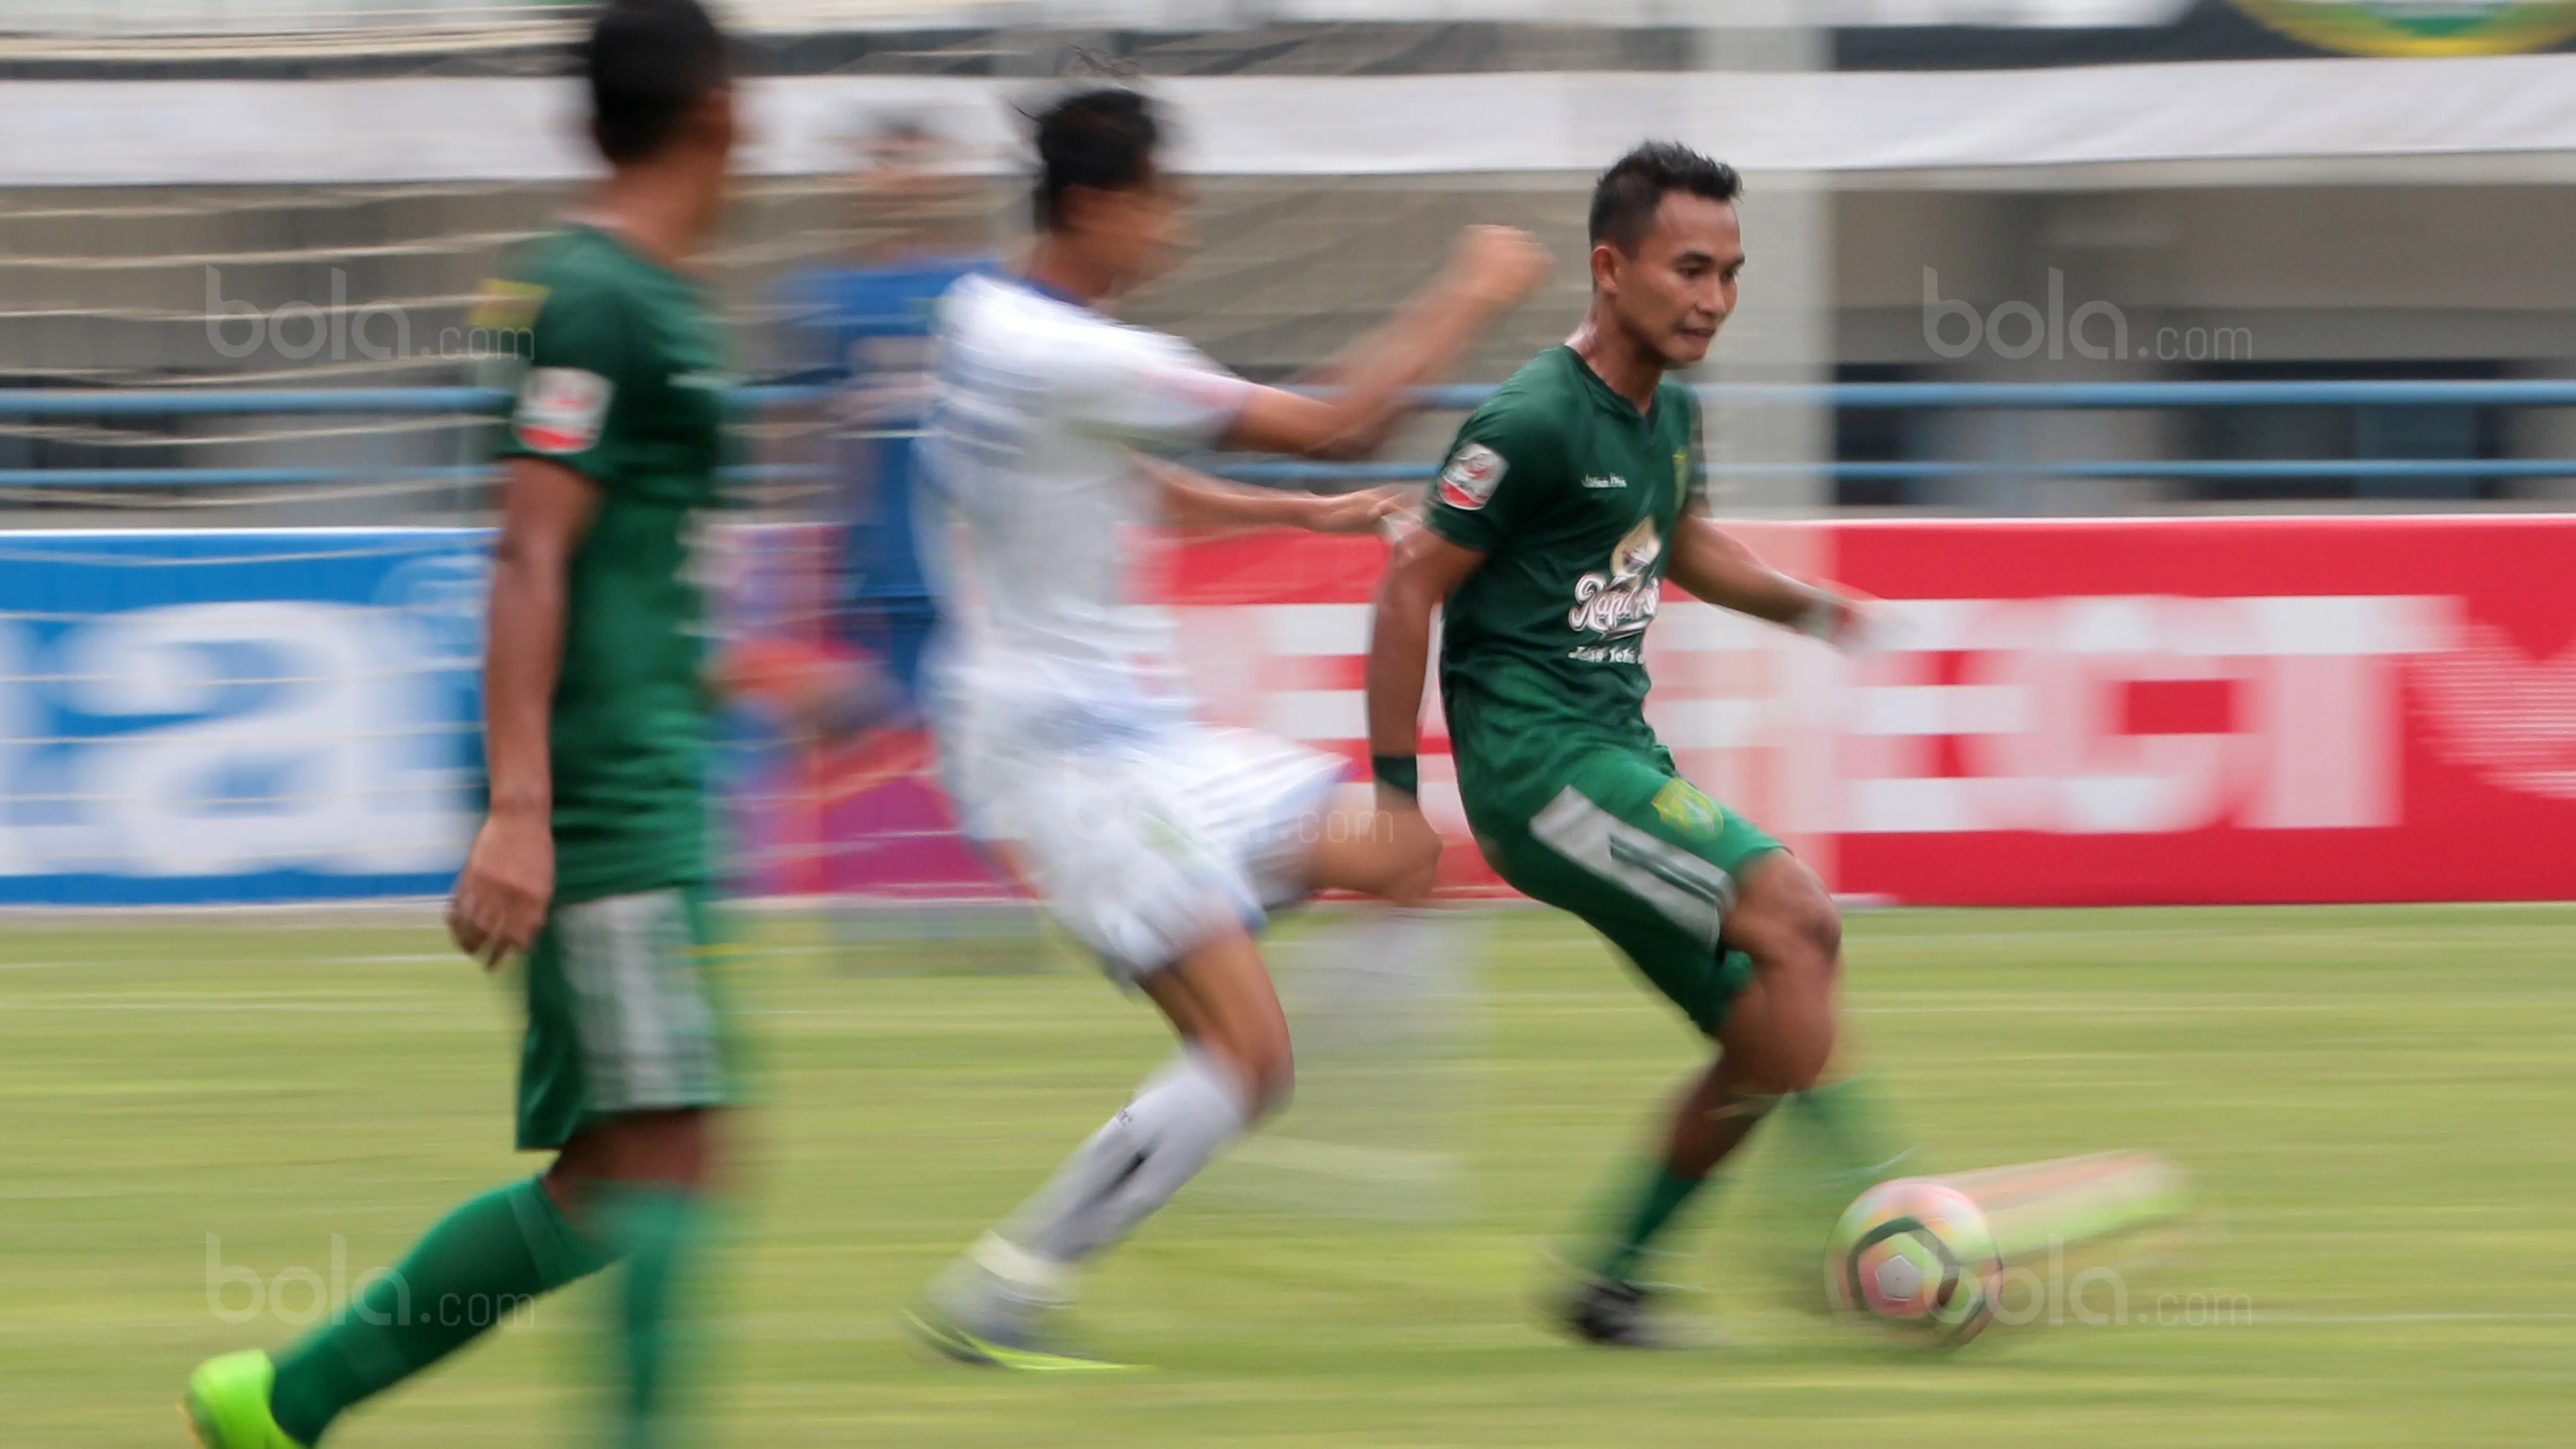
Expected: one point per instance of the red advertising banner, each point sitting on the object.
(2208, 710)
(2057, 713)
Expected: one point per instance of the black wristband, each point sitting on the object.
(1401, 771)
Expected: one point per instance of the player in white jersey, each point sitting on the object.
(1158, 841)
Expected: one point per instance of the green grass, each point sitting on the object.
(2374, 1103)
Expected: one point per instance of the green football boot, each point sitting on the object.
(227, 1403)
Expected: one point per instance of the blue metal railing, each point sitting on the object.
(415, 401)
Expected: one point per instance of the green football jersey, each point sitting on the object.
(624, 385)
(1572, 495)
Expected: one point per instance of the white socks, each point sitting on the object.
(1180, 1119)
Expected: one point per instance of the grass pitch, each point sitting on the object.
(2374, 1104)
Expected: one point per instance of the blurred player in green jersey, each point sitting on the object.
(592, 858)
(1564, 504)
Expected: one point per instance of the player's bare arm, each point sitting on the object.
(1424, 572)
(1490, 272)
(509, 875)
(1715, 567)
(1191, 499)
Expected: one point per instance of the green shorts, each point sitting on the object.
(624, 1014)
(1645, 859)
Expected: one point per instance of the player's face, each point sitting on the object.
(1679, 288)
(713, 130)
(1141, 231)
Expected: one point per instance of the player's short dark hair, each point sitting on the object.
(648, 62)
(1626, 197)
(1102, 137)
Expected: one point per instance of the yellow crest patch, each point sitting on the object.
(1685, 809)
(506, 306)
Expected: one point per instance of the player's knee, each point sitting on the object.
(1261, 1059)
(674, 1146)
(1269, 1068)
(1789, 917)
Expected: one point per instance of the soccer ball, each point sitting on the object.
(1916, 1259)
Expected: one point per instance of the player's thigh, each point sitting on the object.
(1352, 845)
(1653, 864)
(624, 1014)
(1117, 859)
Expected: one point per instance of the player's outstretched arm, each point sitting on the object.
(1192, 499)
(1491, 271)
(1425, 570)
(1716, 568)
(509, 875)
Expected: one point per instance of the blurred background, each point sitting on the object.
(2143, 260)
(2195, 380)
(2168, 190)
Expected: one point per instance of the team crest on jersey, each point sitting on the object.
(1622, 598)
(1685, 809)
(1474, 472)
(561, 410)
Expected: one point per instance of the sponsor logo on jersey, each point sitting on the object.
(2416, 27)
(1474, 472)
(561, 409)
(1685, 809)
(1613, 481)
(1622, 598)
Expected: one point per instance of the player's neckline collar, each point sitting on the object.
(1604, 394)
(1052, 294)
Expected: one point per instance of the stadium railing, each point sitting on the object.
(61, 403)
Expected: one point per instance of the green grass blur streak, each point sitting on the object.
(2375, 1104)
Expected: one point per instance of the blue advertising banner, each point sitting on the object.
(192, 718)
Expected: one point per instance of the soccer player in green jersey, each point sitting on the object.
(592, 858)
(1564, 504)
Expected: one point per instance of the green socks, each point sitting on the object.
(657, 1229)
(1650, 1209)
(1844, 1124)
(1840, 1128)
(482, 1263)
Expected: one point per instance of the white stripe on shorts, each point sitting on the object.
(1692, 893)
(646, 1033)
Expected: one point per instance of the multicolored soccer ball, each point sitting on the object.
(1915, 1258)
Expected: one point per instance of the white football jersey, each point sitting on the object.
(1035, 506)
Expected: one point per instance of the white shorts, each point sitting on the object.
(1147, 844)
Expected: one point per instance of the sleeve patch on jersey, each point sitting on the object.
(505, 306)
(561, 409)
(1474, 472)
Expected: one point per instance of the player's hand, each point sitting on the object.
(502, 894)
(1851, 622)
(1499, 265)
(1371, 510)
